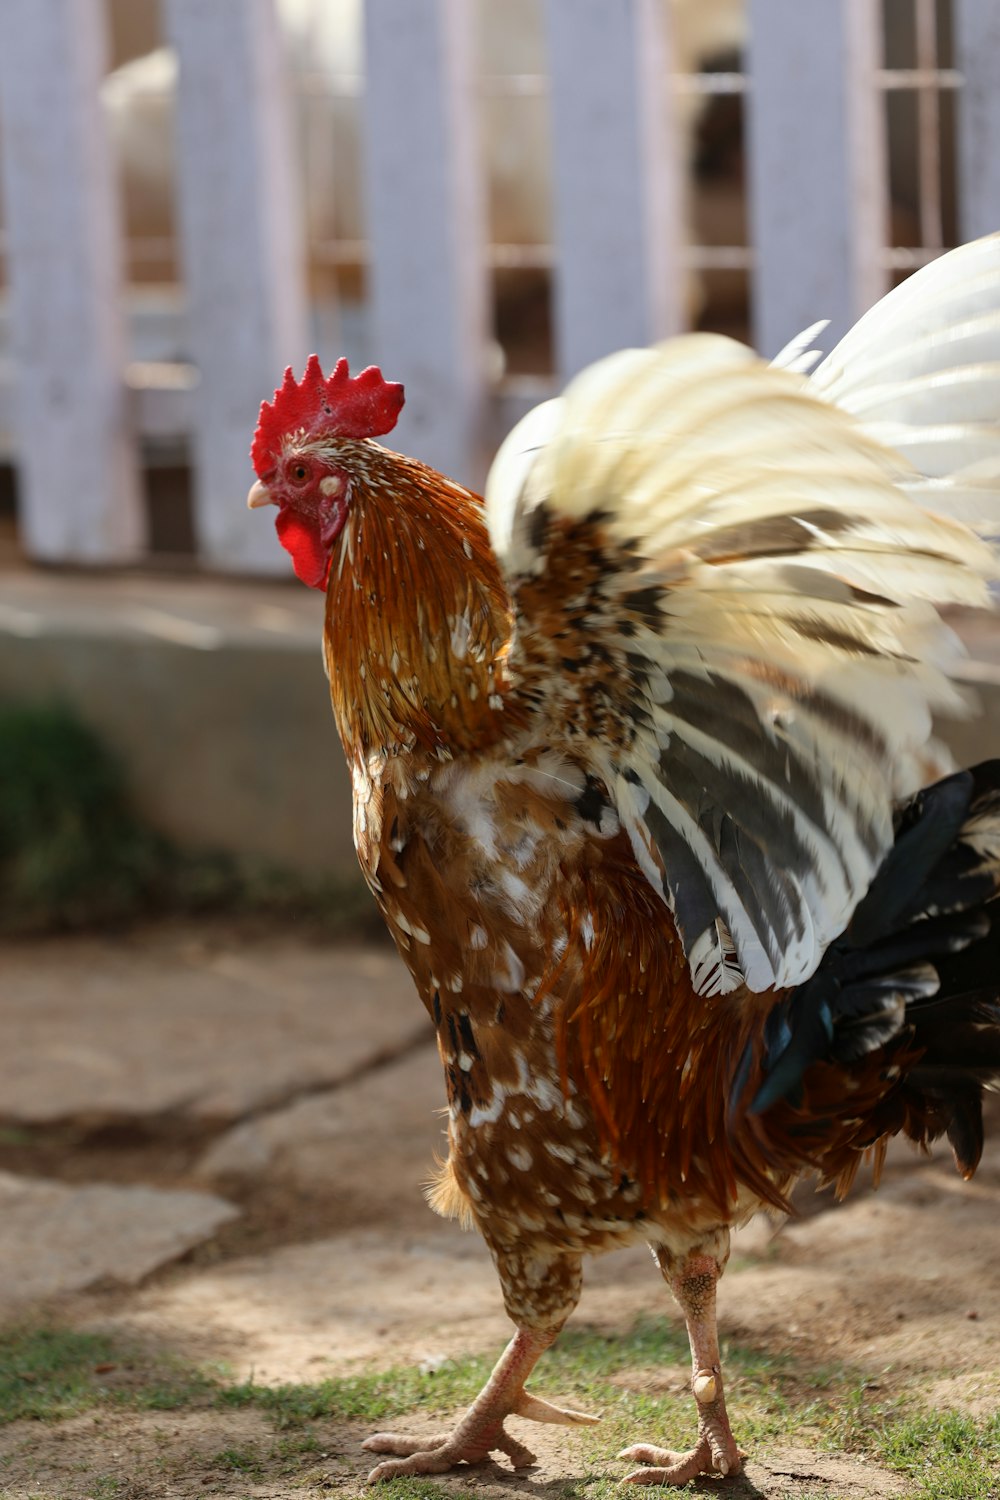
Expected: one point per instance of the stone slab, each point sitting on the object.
(350, 1137)
(168, 1020)
(56, 1238)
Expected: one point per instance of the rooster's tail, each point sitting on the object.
(899, 1028)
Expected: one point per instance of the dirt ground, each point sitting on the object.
(334, 1265)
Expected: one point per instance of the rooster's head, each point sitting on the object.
(302, 452)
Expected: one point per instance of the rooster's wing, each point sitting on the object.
(726, 605)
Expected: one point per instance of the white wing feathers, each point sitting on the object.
(800, 354)
(760, 627)
(921, 371)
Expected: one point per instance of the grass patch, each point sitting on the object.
(75, 854)
(637, 1381)
(50, 1373)
(291, 1450)
(365, 1398)
(105, 1487)
(46, 1374)
(71, 850)
(951, 1456)
(238, 1461)
(419, 1489)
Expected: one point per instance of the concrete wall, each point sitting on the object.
(213, 696)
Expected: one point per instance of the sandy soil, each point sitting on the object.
(336, 1265)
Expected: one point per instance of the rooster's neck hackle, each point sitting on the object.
(418, 621)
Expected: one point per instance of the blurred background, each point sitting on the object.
(480, 197)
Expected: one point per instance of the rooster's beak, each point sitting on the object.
(260, 495)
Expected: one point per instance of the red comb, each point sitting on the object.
(334, 406)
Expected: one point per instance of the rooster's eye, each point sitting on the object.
(300, 473)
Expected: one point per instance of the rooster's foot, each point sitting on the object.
(692, 1279)
(473, 1440)
(481, 1431)
(425, 1455)
(669, 1467)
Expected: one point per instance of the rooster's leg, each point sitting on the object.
(692, 1279)
(540, 1289)
(481, 1431)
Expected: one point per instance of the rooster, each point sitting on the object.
(646, 789)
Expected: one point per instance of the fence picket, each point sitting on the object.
(77, 463)
(977, 43)
(817, 165)
(426, 226)
(616, 199)
(242, 250)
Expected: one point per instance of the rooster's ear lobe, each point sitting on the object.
(317, 406)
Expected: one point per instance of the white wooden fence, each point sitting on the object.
(74, 411)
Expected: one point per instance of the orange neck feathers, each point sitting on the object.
(417, 619)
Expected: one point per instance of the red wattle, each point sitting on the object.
(300, 537)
